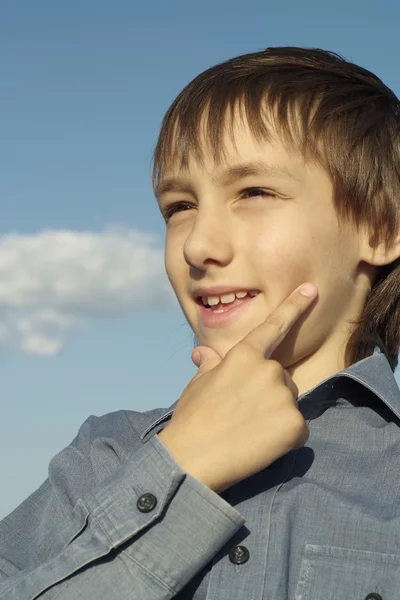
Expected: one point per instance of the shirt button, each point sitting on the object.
(373, 596)
(239, 555)
(146, 503)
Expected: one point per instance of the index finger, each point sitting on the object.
(269, 334)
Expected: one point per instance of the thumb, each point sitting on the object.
(205, 358)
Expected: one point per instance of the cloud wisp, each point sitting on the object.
(53, 282)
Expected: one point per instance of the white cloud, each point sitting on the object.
(53, 281)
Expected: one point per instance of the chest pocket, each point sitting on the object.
(330, 573)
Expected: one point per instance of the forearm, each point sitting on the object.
(117, 547)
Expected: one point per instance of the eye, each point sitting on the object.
(174, 208)
(254, 192)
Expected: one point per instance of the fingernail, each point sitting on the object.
(308, 289)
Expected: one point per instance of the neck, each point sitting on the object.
(320, 365)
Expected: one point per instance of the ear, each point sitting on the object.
(380, 253)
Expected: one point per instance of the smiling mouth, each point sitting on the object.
(225, 302)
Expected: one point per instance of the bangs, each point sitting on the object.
(200, 127)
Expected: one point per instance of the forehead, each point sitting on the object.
(240, 154)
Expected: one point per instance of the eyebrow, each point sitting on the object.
(228, 176)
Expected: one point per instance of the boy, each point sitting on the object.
(274, 476)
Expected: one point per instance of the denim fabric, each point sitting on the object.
(322, 523)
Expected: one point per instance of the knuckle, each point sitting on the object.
(302, 436)
(276, 320)
(275, 369)
(245, 349)
(289, 407)
(298, 428)
(297, 301)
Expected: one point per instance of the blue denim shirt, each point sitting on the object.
(322, 523)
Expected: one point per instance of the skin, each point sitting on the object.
(271, 232)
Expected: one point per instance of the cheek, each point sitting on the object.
(173, 262)
(284, 261)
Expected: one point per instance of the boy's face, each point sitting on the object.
(268, 232)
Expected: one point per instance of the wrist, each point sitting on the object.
(185, 459)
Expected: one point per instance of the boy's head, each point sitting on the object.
(276, 168)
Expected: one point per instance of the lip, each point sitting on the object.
(214, 320)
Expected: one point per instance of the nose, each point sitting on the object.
(210, 240)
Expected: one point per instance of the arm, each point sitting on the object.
(78, 539)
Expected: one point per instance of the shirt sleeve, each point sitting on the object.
(115, 540)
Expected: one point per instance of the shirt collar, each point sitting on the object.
(373, 372)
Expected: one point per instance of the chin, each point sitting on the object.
(221, 346)
(290, 351)
(222, 349)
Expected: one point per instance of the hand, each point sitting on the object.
(239, 414)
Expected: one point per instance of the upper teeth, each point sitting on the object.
(225, 298)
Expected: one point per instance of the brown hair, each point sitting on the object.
(336, 113)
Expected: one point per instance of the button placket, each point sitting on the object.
(254, 504)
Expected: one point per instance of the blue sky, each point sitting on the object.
(89, 324)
